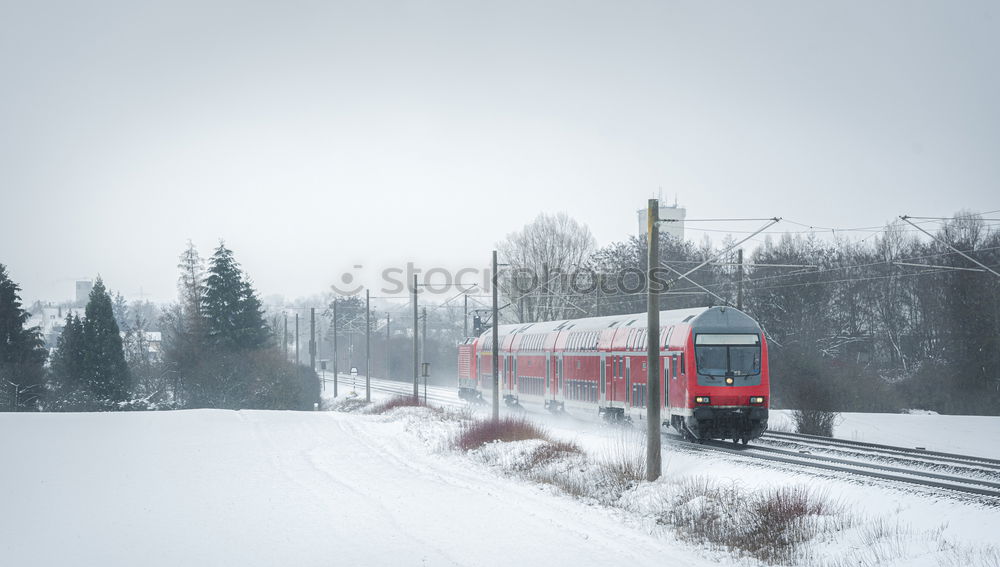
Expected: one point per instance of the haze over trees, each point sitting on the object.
(218, 348)
(89, 371)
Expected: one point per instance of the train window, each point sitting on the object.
(577, 364)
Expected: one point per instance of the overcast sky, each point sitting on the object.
(313, 136)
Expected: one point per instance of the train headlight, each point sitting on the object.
(757, 400)
(729, 381)
(702, 400)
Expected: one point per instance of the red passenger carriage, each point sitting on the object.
(713, 369)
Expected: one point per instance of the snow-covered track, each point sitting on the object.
(875, 448)
(954, 483)
(435, 394)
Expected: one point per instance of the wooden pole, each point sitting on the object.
(416, 360)
(496, 344)
(368, 344)
(335, 353)
(653, 442)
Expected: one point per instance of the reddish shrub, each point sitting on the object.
(479, 433)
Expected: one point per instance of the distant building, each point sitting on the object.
(83, 289)
(51, 320)
(673, 212)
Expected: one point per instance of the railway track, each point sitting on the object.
(977, 476)
(966, 484)
(991, 466)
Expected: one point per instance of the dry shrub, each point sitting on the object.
(768, 524)
(348, 404)
(815, 422)
(506, 429)
(552, 451)
(623, 465)
(398, 402)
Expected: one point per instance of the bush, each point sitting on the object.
(624, 464)
(506, 429)
(253, 379)
(398, 402)
(815, 422)
(769, 524)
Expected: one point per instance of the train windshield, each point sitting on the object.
(727, 355)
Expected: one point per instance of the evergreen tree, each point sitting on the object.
(233, 312)
(104, 367)
(69, 390)
(22, 354)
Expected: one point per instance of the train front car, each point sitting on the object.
(725, 390)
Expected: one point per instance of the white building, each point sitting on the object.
(83, 289)
(673, 213)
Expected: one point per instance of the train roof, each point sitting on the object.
(703, 319)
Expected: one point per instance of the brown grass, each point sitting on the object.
(506, 429)
(398, 402)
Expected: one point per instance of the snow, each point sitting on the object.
(214, 487)
(963, 434)
(252, 488)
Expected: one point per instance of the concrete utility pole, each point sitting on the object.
(368, 344)
(416, 360)
(388, 346)
(465, 320)
(739, 280)
(496, 344)
(653, 442)
(423, 336)
(335, 353)
(312, 338)
(296, 339)
(285, 343)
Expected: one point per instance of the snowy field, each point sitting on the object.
(213, 487)
(208, 487)
(964, 434)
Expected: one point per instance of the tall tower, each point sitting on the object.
(83, 288)
(673, 212)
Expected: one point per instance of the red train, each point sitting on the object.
(713, 362)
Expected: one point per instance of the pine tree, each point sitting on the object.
(22, 354)
(191, 287)
(69, 389)
(232, 310)
(104, 367)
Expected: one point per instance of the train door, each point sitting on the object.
(548, 374)
(560, 380)
(604, 379)
(551, 377)
(628, 381)
(503, 374)
(513, 376)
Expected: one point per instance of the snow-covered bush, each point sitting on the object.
(768, 524)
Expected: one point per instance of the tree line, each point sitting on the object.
(884, 323)
(217, 350)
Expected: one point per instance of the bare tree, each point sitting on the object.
(542, 257)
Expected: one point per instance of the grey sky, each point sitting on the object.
(313, 136)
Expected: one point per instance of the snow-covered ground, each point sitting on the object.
(964, 434)
(209, 487)
(212, 487)
(923, 519)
